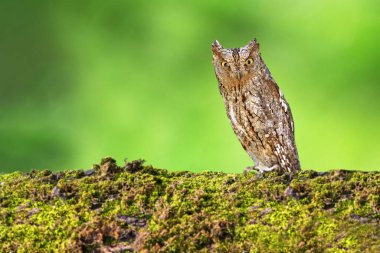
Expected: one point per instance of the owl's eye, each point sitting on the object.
(249, 61)
(224, 64)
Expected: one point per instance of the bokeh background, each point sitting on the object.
(80, 80)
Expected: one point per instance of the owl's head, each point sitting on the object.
(234, 65)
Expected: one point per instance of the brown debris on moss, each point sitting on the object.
(137, 208)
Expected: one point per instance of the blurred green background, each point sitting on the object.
(80, 80)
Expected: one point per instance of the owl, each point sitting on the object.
(258, 112)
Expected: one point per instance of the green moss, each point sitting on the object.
(140, 208)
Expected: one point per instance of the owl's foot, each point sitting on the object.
(260, 169)
(249, 169)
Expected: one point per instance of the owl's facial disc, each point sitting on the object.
(233, 64)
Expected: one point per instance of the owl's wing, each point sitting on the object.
(287, 135)
(282, 139)
(286, 111)
(279, 102)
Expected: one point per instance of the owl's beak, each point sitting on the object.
(239, 75)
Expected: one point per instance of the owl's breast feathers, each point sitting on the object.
(261, 118)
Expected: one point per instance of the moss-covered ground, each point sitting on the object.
(137, 208)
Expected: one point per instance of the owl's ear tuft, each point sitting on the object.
(253, 45)
(216, 47)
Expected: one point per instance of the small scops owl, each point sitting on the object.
(259, 114)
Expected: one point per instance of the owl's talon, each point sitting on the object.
(260, 170)
(249, 169)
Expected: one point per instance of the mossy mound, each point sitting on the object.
(137, 208)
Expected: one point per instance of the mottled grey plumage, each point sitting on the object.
(259, 114)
